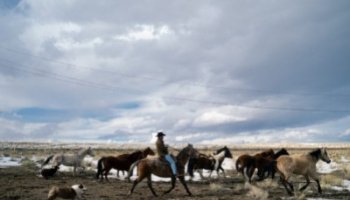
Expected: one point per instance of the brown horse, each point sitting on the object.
(148, 166)
(301, 165)
(105, 164)
(199, 163)
(209, 162)
(264, 162)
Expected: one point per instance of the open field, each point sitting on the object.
(23, 181)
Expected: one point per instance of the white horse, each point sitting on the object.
(74, 160)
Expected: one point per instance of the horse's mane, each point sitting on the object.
(280, 152)
(83, 150)
(182, 152)
(219, 155)
(226, 150)
(135, 154)
(315, 153)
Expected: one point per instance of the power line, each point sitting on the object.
(125, 75)
(81, 82)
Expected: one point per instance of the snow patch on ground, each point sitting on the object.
(325, 168)
(9, 162)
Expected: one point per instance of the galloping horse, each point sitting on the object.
(148, 166)
(264, 162)
(301, 165)
(221, 159)
(122, 162)
(74, 160)
(208, 162)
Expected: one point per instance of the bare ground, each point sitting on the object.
(24, 183)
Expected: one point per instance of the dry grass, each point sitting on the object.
(256, 192)
(331, 180)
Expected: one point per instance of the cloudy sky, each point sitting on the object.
(206, 72)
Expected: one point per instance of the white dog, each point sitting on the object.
(75, 192)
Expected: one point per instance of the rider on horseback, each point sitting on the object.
(163, 153)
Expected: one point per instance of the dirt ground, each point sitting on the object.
(24, 183)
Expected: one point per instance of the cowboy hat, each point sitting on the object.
(160, 134)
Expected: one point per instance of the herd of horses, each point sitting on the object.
(267, 163)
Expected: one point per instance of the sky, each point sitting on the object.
(204, 72)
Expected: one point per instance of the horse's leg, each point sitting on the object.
(106, 173)
(182, 180)
(249, 172)
(285, 183)
(211, 171)
(118, 173)
(74, 170)
(319, 186)
(200, 171)
(173, 181)
(136, 181)
(314, 176)
(217, 172)
(223, 171)
(149, 183)
(307, 183)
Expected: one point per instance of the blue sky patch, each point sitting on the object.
(128, 105)
(8, 4)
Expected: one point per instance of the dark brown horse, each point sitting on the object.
(148, 166)
(209, 162)
(264, 162)
(105, 164)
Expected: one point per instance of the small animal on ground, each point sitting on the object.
(49, 172)
(75, 192)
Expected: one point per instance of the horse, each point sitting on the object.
(264, 162)
(221, 159)
(74, 160)
(148, 166)
(199, 163)
(304, 164)
(123, 162)
(208, 162)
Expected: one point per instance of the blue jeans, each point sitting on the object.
(172, 163)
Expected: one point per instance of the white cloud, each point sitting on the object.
(35, 35)
(144, 32)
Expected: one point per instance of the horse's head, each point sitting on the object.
(148, 151)
(190, 151)
(226, 150)
(90, 152)
(324, 155)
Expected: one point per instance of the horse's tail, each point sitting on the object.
(99, 168)
(239, 166)
(190, 166)
(47, 160)
(131, 169)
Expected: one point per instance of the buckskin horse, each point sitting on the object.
(304, 165)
